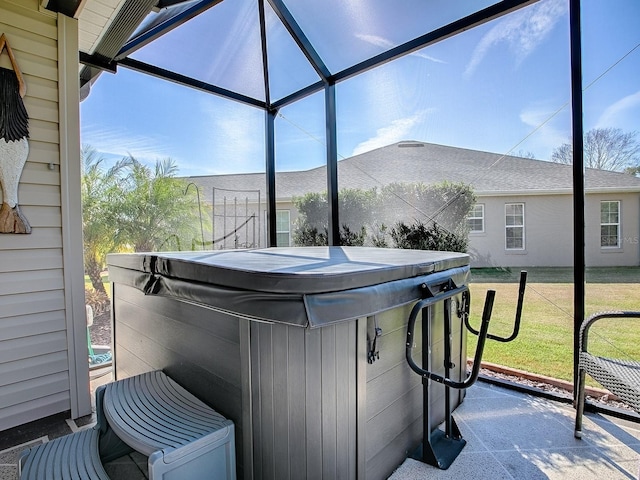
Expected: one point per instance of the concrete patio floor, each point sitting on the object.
(510, 435)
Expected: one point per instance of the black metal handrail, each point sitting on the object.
(440, 448)
(516, 323)
(486, 317)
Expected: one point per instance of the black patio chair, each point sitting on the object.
(620, 376)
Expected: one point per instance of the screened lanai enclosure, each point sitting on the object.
(366, 123)
(471, 127)
(339, 143)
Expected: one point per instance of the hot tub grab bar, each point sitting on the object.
(472, 377)
(516, 324)
(440, 448)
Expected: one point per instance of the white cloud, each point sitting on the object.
(521, 31)
(375, 40)
(387, 44)
(119, 142)
(611, 117)
(230, 138)
(400, 129)
(225, 141)
(547, 135)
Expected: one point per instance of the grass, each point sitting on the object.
(105, 282)
(556, 275)
(545, 342)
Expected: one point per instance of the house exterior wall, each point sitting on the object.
(548, 224)
(548, 220)
(547, 241)
(42, 372)
(628, 253)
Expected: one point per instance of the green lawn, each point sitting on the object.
(545, 342)
(105, 282)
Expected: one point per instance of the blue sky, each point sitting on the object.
(501, 87)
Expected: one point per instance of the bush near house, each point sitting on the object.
(425, 216)
(308, 236)
(421, 236)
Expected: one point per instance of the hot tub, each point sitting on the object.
(281, 341)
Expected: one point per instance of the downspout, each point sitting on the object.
(71, 209)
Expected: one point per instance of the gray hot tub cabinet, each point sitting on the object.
(277, 340)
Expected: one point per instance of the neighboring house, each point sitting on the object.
(523, 215)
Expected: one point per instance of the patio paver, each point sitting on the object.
(514, 436)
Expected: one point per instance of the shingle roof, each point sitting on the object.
(410, 162)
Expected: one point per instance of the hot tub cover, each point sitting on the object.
(306, 286)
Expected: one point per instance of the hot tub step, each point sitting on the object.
(157, 417)
(70, 457)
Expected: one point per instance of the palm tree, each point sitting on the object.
(100, 199)
(158, 211)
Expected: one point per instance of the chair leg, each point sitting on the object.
(579, 404)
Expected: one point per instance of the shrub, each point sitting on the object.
(98, 301)
(421, 236)
(308, 236)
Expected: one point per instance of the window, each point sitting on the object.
(475, 220)
(514, 226)
(282, 228)
(610, 224)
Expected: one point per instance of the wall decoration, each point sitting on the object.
(14, 146)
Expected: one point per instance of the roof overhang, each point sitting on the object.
(557, 191)
(70, 8)
(103, 36)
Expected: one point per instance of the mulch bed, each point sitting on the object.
(603, 397)
(100, 331)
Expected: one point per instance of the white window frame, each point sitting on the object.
(475, 217)
(617, 224)
(282, 232)
(507, 226)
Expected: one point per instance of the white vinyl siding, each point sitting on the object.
(610, 224)
(514, 226)
(37, 374)
(475, 220)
